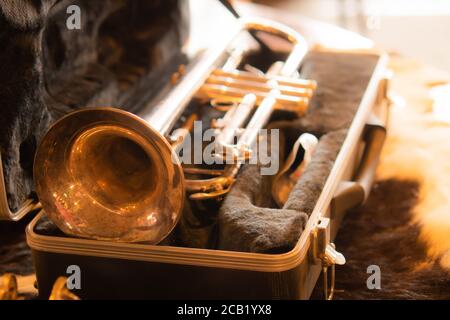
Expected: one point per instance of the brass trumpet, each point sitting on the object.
(107, 174)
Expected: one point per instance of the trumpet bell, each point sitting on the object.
(106, 174)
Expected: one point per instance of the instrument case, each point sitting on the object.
(138, 271)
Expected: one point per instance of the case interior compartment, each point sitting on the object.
(348, 88)
(248, 220)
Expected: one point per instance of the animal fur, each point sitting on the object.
(418, 149)
(404, 227)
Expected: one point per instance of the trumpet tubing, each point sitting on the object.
(234, 94)
(104, 173)
(257, 87)
(248, 76)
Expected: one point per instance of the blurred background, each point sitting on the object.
(417, 28)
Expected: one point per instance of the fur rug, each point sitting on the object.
(404, 228)
(419, 149)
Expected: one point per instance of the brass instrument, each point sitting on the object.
(16, 287)
(8, 287)
(61, 292)
(13, 287)
(107, 174)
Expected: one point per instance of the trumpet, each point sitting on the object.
(107, 174)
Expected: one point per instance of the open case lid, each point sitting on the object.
(208, 21)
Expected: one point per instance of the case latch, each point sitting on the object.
(325, 252)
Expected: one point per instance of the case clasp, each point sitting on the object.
(325, 252)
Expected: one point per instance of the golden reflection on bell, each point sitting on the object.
(105, 180)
